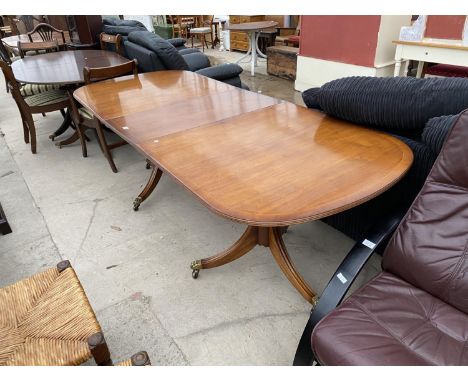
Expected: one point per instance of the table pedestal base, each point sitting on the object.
(268, 237)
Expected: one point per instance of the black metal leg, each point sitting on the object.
(63, 127)
(342, 280)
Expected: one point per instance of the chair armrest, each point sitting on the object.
(436, 130)
(221, 72)
(342, 280)
(176, 42)
(196, 61)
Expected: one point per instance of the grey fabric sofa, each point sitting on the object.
(154, 53)
(419, 111)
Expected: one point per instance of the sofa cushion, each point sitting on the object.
(196, 61)
(394, 103)
(124, 23)
(165, 51)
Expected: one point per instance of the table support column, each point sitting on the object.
(271, 237)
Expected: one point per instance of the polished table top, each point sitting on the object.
(248, 157)
(62, 67)
(252, 26)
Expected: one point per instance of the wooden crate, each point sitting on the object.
(282, 61)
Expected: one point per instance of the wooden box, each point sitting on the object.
(282, 61)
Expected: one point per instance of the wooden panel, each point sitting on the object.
(282, 61)
(239, 45)
(239, 37)
(148, 107)
(445, 27)
(281, 165)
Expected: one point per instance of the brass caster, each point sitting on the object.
(195, 266)
(52, 137)
(136, 203)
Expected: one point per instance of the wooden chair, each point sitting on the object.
(46, 320)
(115, 40)
(46, 32)
(181, 25)
(37, 47)
(44, 102)
(204, 28)
(283, 34)
(84, 119)
(27, 21)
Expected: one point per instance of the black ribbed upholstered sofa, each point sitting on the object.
(419, 111)
(153, 53)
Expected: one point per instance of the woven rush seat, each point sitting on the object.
(47, 98)
(28, 90)
(46, 319)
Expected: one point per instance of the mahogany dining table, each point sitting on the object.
(248, 157)
(64, 68)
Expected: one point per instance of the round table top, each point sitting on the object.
(256, 25)
(12, 41)
(62, 67)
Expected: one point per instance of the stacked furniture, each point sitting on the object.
(419, 111)
(240, 40)
(154, 53)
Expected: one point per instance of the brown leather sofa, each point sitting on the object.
(415, 312)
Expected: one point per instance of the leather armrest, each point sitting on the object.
(342, 280)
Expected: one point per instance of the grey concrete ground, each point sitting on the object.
(134, 266)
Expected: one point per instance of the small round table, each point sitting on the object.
(64, 69)
(253, 29)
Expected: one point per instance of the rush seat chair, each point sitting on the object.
(46, 320)
(415, 312)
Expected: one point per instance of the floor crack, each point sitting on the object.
(96, 202)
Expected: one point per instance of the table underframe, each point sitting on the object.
(424, 53)
(271, 237)
(253, 51)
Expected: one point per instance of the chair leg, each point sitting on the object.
(203, 42)
(32, 133)
(192, 41)
(63, 113)
(25, 127)
(206, 42)
(106, 150)
(81, 134)
(99, 350)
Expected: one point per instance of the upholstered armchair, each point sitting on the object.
(154, 53)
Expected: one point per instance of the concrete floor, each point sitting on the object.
(134, 266)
